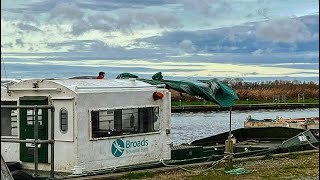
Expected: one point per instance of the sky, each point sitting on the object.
(183, 39)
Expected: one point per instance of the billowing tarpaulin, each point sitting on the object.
(213, 91)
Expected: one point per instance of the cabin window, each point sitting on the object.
(31, 116)
(106, 123)
(9, 120)
(63, 116)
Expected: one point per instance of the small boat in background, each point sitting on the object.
(301, 123)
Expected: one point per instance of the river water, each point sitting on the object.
(190, 126)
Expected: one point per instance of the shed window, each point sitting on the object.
(106, 123)
(9, 120)
(63, 120)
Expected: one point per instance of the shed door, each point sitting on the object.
(27, 119)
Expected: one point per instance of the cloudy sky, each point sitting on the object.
(183, 39)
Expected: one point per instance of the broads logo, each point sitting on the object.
(119, 147)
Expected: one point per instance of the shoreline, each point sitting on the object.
(199, 108)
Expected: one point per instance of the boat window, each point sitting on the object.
(9, 120)
(106, 123)
(63, 116)
(31, 116)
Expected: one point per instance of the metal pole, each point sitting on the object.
(36, 140)
(52, 145)
(26, 106)
(35, 157)
(230, 109)
(26, 141)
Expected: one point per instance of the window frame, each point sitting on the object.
(14, 115)
(124, 135)
(60, 120)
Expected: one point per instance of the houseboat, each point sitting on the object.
(85, 127)
(84, 123)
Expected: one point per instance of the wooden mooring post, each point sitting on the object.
(229, 146)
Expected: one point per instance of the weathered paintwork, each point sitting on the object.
(79, 97)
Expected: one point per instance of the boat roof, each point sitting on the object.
(8, 82)
(71, 83)
(84, 85)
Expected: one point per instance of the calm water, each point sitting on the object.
(189, 126)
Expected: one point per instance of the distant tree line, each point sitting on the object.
(264, 90)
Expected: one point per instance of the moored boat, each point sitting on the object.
(301, 123)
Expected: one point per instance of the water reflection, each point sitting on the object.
(189, 126)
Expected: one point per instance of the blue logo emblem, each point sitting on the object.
(117, 147)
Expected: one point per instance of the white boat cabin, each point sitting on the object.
(98, 124)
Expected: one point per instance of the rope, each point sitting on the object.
(195, 171)
(303, 133)
(312, 145)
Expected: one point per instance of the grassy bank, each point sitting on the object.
(294, 166)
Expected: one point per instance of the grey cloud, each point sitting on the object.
(44, 6)
(81, 45)
(261, 52)
(79, 27)
(128, 14)
(19, 42)
(207, 7)
(102, 22)
(125, 22)
(35, 7)
(252, 73)
(6, 45)
(263, 12)
(27, 27)
(238, 39)
(283, 30)
(163, 20)
(186, 46)
(98, 50)
(29, 18)
(98, 46)
(98, 5)
(66, 10)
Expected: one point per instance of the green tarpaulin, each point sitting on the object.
(213, 91)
